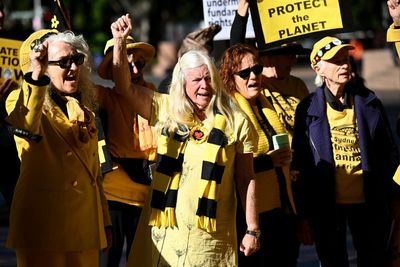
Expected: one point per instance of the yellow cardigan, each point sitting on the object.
(393, 35)
(59, 202)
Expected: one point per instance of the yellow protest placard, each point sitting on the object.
(9, 60)
(278, 20)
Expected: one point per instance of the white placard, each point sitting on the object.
(223, 12)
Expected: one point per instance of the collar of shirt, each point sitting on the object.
(334, 103)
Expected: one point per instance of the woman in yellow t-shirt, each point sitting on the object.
(241, 73)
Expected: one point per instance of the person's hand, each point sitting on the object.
(122, 27)
(280, 157)
(38, 58)
(108, 231)
(249, 245)
(394, 11)
(304, 232)
(243, 7)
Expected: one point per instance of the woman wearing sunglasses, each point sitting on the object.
(241, 73)
(132, 144)
(59, 214)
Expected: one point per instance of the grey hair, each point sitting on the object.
(85, 86)
(319, 80)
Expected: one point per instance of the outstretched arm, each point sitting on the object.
(140, 98)
(246, 186)
(238, 29)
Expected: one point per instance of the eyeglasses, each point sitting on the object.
(256, 69)
(139, 65)
(66, 62)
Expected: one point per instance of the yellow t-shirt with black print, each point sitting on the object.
(347, 155)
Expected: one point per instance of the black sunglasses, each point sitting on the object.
(139, 64)
(256, 69)
(66, 62)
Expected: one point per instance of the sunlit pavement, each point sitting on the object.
(380, 75)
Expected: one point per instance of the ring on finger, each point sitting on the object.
(38, 48)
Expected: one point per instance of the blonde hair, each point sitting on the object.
(85, 85)
(182, 109)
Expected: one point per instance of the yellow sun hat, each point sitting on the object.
(145, 50)
(326, 48)
(28, 44)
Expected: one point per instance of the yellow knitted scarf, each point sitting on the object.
(254, 115)
(265, 113)
(168, 171)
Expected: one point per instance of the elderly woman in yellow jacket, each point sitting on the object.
(59, 214)
(393, 33)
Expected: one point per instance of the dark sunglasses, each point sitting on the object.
(139, 65)
(66, 62)
(244, 74)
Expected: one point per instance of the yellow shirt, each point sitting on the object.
(347, 155)
(286, 94)
(393, 35)
(120, 121)
(118, 186)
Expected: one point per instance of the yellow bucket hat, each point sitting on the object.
(326, 48)
(146, 50)
(28, 44)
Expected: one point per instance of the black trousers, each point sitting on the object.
(279, 243)
(125, 219)
(369, 229)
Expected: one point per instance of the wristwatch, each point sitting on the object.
(255, 233)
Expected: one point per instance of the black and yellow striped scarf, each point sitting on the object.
(168, 171)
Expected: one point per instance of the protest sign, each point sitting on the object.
(279, 21)
(222, 12)
(9, 60)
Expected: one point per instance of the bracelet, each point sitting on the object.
(255, 233)
(43, 81)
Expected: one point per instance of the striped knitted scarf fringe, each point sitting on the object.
(168, 171)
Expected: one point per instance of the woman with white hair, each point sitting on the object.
(204, 151)
(344, 159)
(59, 213)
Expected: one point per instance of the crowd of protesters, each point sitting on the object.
(198, 175)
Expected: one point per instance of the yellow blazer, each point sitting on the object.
(393, 35)
(58, 202)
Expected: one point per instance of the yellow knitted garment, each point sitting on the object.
(167, 176)
(268, 110)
